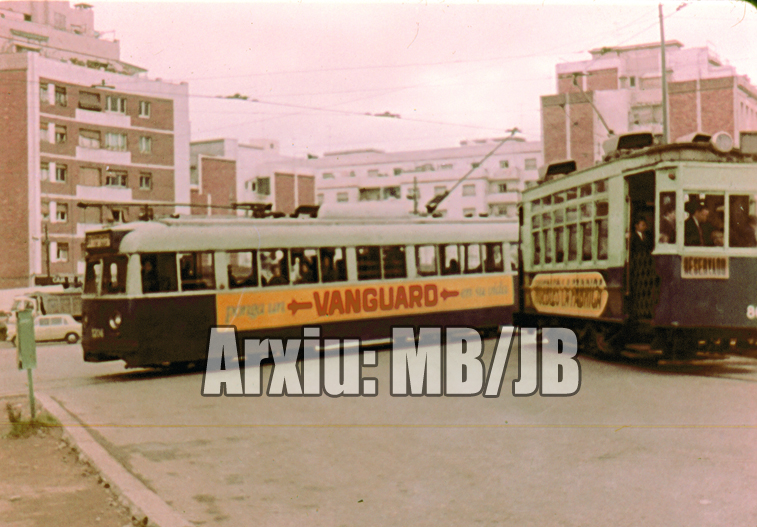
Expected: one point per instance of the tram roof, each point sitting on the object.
(187, 234)
(626, 161)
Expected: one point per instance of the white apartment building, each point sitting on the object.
(414, 178)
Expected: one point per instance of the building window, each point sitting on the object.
(391, 193)
(43, 133)
(89, 139)
(369, 194)
(319, 199)
(115, 104)
(440, 190)
(397, 171)
(531, 163)
(61, 252)
(115, 141)
(446, 166)
(60, 134)
(342, 197)
(61, 173)
(632, 81)
(144, 109)
(119, 215)
(60, 96)
(61, 212)
(145, 145)
(89, 101)
(373, 172)
(501, 188)
(264, 186)
(328, 175)
(469, 190)
(44, 96)
(145, 181)
(44, 172)
(116, 179)
(469, 213)
(504, 163)
(475, 165)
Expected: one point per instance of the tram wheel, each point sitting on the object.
(680, 346)
(600, 340)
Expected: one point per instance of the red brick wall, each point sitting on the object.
(284, 199)
(606, 79)
(565, 83)
(14, 191)
(581, 130)
(717, 106)
(682, 108)
(217, 180)
(553, 128)
(305, 190)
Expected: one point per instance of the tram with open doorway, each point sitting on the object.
(154, 289)
(654, 248)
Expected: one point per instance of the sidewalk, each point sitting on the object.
(46, 483)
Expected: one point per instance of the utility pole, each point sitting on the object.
(415, 195)
(665, 122)
(47, 253)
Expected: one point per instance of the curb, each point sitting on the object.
(146, 506)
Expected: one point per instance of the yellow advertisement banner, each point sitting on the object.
(326, 303)
(581, 294)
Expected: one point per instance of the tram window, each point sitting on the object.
(536, 222)
(667, 217)
(243, 269)
(602, 239)
(113, 275)
(512, 254)
(537, 247)
(585, 190)
(450, 255)
(92, 276)
(586, 210)
(587, 241)
(273, 267)
(705, 219)
(571, 214)
(333, 264)
(425, 260)
(535, 205)
(197, 271)
(559, 242)
(547, 201)
(304, 266)
(572, 243)
(572, 193)
(368, 263)
(559, 216)
(547, 246)
(393, 258)
(546, 219)
(159, 272)
(600, 186)
(603, 208)
(472, 258)
(494, 261)
(559, 197)
(741, 223)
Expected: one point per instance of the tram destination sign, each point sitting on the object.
(708, 266)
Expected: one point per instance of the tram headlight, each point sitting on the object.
(115, 320)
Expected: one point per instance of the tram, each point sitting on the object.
(154, 289)
(654, 247)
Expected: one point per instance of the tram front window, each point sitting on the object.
(106, 276)
(159, 273)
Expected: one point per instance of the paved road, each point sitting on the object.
(638, 445)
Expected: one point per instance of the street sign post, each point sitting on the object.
(26, 349)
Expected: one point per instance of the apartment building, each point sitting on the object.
(411, 179)
(87, 139)
(225, 171)
(620, 89)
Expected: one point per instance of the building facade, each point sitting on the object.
(620, 89)
(411, 179)
(88, 139)
(225, 171)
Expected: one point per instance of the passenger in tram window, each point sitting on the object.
(150, 282)
(327, 269)
(641, 241)
(697, 231)
(668, 224)
(741, 233)
(276, 278)
(718, 238)
(306, 273)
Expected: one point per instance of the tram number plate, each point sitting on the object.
(97, 333)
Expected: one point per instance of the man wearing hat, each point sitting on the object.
(696, 229)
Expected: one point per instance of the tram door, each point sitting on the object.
(642, 281)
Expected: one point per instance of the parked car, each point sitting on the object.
(52, 327)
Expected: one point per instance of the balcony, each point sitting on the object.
(108, 194)
(102, 155)
(110, 119)
(503, 197)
